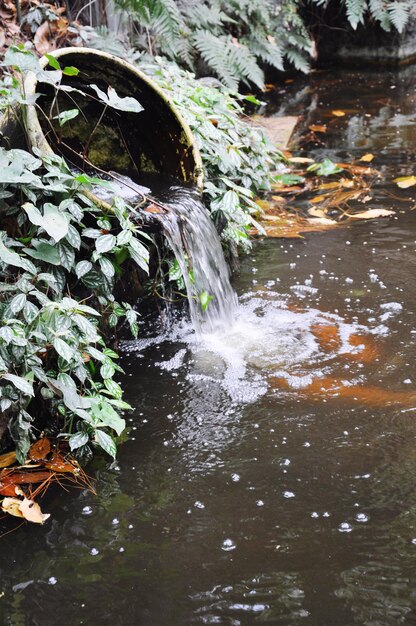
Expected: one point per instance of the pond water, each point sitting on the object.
(269, 475)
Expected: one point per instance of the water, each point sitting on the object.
(197, 248)
(269, 474)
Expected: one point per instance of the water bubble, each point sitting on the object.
(87, 510)
(115, 521)
(52, 580)
(315, 514)
(199, 505)
(94, 551)
(260, 503)
(228, 545)
(345, 527)
(235, 478)
(362, 517)
(288, 494)
(121, 549)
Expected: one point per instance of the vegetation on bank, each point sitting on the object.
(63, 260)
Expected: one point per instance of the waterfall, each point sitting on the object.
(196, 245)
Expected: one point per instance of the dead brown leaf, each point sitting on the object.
(40, 449)
(338, 113)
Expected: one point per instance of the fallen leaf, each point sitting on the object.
(7, 459)
(40, 449)
(334, 185)
(12, 507)
(360, 170)
(367, 158)
(318, 128)
(325, 221)
(317, 199)
(60, 465)
(372, 213)
(338, 113)
(32, 512)
(405, 181)
(317, 212)
(301, 160)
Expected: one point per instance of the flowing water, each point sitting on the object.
(269, 474)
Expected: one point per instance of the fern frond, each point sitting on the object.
(379, 13)
(298, 60)
(213, 51)
(356, 10)
(399, 14)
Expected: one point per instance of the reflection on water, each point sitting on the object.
(247, 493)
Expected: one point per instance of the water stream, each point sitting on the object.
(269, 474)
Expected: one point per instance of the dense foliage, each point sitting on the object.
(60, 260)
(237, 40)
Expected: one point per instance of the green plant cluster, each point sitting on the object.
(60, 260)
(389, 14)
(232, 40)
(238, 39)
(239, 160)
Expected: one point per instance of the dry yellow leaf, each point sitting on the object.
(333, 185)
(405, 181)
(301, 160)
(338, 113)
(12, 506)
(317, 199)
(372, 213)
(317, 128)
(367, 158)
(325, 221)
(316, 212)
(7, 459)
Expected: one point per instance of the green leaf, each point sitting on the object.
(53, 62)
(204, 300)
(63, 349)
(67, 255)
(16, 304)
(104, 414)
(107, 267)
(82, 268)
(44, 252)
(21, 383)
(65, 116)
(73, 237)
(114, 388)
(76, 441)
(69, 70)
(105, 442)
(53, 221)
(105, 243)
(326, 168)
(9, 256)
